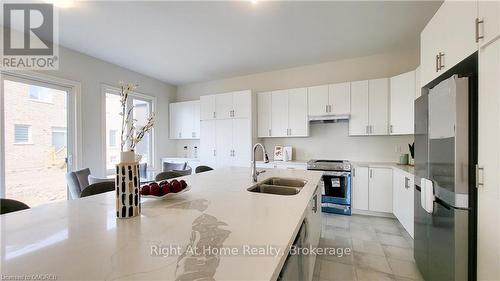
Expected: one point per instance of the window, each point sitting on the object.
(40, 94)
(112, 138)
(59, 138)
(22, 134)
(143, 107)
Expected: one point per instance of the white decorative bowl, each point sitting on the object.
(168, 195)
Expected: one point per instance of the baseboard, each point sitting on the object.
(372, 213)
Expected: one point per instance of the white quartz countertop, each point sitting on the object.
(82, 239)
(406, 168)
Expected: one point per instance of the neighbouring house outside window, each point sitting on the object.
(22, 134)
(40, 94)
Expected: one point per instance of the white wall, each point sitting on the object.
(92, 73)
(327, 140)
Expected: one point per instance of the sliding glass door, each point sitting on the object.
(36, 143)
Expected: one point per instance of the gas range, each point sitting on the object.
(329, 165)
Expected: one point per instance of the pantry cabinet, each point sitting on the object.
(227, 129)
(488, 22)
(402, 98)
(403, 194)
(448, 38)
(333, 99)
(369, 107)
(184, 120)
(285, 111)
(226, 142)
(207, 107)
(488, 190)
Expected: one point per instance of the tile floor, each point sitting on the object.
(381, 250)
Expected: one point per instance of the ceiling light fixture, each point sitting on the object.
(61, 3)
(254, 2)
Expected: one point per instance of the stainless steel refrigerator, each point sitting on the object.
(445, 124)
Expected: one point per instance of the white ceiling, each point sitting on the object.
(185, 42)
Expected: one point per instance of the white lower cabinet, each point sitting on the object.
(403, 193)
(313, 229)
(380, 190)
(372, 189)
(359, 188)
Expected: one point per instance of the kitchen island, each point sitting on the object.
(82, 239)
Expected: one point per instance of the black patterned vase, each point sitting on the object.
(128, 198)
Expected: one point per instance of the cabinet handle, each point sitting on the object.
(407, 184)
(330, 108)
(269, 132)
(371, 173)
(315, 205)
(366, 129)
(478, 21)
(390, 129)
(215, 153)
(214, 114)
(290, 132)
(479, 178)
(353, 172)
(441, 64)
(437, 63)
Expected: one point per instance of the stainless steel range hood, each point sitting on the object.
(328, 118)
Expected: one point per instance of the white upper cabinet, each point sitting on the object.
(378, 100)
(224, 106)
(185, 120)
(242, 101)
(207, 107)
(358, 123)
(318, 100)
(369, 107)
(418, 87)
(488, 21)
(330, 99)
(339, 97)
(402, 98)
(279, 122)
(264, 111)
(283, 113)
(449, 37)
(298, 123)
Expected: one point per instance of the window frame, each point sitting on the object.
(30, 134)
(107, 89)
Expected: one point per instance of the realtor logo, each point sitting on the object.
(29, 37)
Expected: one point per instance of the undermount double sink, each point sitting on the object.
(279, 186)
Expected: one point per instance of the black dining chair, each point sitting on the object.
(167, 175)
(97, 188)
(11, 205)
(201, 169)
